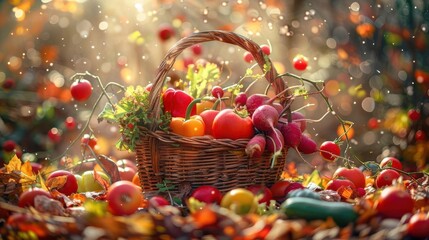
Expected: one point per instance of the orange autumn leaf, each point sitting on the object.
(365, 30)
(346, 193)
(56, 182)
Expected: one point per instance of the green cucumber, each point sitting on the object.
(311, 209)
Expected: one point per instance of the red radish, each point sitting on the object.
(241, 99)
(265, 118)
(307, 145)
(291, 133)
(256, 146)
(279, 107)
(300, 119)
(256, 100)
(275, 141)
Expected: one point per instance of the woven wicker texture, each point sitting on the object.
(198, 161)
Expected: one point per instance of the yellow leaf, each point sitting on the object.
(27, 169)
(42, 182)
(14, 165)
(313, 178)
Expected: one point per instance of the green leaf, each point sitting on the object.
(199, 76)
(313, 178)
(107, 114)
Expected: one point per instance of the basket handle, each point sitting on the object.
(207, 36)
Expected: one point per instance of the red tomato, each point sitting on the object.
(391, 162)
(394, 202)
(207, 194)
(81, 90)
(418, 226)
(353, 174)
(281, 189)
(386, 177)
(228, 124)
(341, 186)
(329, 150)
(208, 117)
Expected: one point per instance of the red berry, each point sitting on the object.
(300, 62)
(8, 83)
(197, 49)
(9, 145)
(420, 135)
(70, 123)
(266, 49)
(55, 135)
(89, 140)
(248, 57)
(81, 90)
(165, 32)
(329, 150)
(414, 115)
(373, 123)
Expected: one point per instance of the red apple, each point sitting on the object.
(127, 173)
(158, 201)
(127, 163)
(26, 199)
(70, 186)
(123, 198)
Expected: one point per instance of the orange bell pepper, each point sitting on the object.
(188, 126)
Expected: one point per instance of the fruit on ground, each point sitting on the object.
(391, 162)
(394, 202)
(123, 198)
(70, 185)
(386, 178)
(207, 194)
(353, 174)
(418, 226)
(281, 189)
(90, 184)
(240, 201)
(26, 199)
(262, 193)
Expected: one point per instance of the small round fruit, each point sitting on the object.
(386, 178)
(165, 32)
(88, 140)
(391, 162)
(266, 49)
(300, 62)
(127, 163)
(394, 202)
(90, 184)
(418, 226)
(262, 193)
(329, 151)
(248, 57)
(9, 145)
(158, 201)
(197, 49)
(207, 194)
(70, 123)
(217, 92)
(70, 185)
(127, 173)
(54, 135)
(81, 90)
(241, 99)
(26, 199)
(123, 198)
(414, 115)
(240, 201)
(353, 174)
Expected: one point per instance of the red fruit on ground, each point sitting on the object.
(394, 202)
(26, 199)
(391, 162)
(353, 174)
(207, 194)
(386, 178)
(70, 184)
(123, 198)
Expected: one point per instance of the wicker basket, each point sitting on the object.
(191, 162)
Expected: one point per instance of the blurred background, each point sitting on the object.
(372, 55)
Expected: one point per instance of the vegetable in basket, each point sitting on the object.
(176, 101)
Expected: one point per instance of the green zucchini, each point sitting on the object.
(305, 192)
(311, 209)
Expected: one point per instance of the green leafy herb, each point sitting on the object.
(130, 112)
(199, 76)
